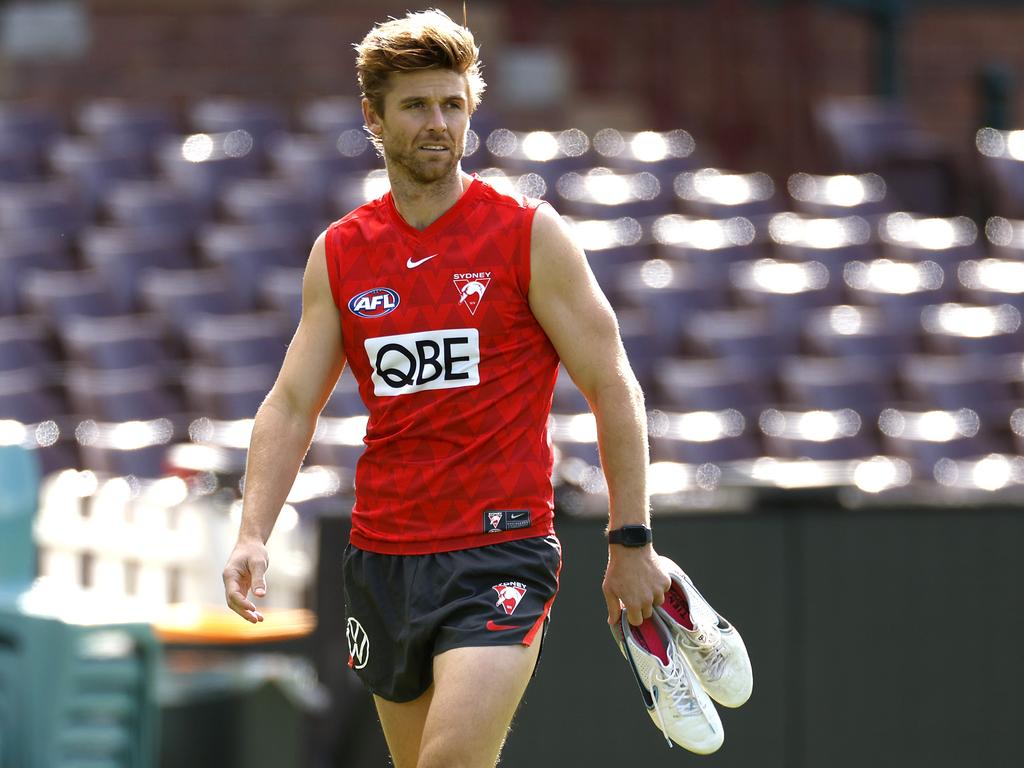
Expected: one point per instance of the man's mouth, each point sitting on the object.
(434, 147)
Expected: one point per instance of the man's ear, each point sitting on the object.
(371, 118)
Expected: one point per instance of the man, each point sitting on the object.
(453, 305)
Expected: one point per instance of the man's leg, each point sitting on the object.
(476, 692)
(403, 726)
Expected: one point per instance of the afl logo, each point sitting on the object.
(358, 644)
(375, 302)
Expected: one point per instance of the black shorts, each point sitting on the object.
(405, 609)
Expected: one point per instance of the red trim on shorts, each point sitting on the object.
(528, 640)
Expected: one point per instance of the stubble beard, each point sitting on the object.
(421, 171)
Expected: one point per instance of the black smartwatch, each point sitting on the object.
(631, 536)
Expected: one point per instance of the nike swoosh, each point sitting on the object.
(413, 264)
(495, 627)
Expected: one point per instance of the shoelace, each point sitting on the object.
(709, 645)
(677, 685)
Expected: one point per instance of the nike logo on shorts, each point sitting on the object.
(413, 264)
(493, 626)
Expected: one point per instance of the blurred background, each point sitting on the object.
(809, 215)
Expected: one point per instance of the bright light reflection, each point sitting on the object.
(601, 234)
(132, 435)
(972, 322)
(313, 483)
(880, 473)
(728, 189)
(197, 148)
(667, 477)
(540, 146)
(990, 142)
(929, 233)
(992, 473)
(609, 142)
(1001, 275)
(844, 190)
(1015, 145)
(788, 278)
(846, 320)
(375, 184)
(700, 426)
(166, 492)
(12, 432)
(898, 277)
(607, 188)
(656, 273)
(649, 147)
(582, 428)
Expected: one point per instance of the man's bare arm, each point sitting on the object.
(282, 432)
(572, 309)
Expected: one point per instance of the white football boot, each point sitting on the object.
(674, 698)
(711, 645)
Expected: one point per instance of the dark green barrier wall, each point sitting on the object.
(877, 638)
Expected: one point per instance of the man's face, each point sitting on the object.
(423, 128)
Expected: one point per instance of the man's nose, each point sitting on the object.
(435, 119)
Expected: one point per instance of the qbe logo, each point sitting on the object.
(375, 302)
(414, 362)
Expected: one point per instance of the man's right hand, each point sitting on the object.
(246, 569)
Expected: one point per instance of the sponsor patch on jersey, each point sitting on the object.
(375, 302)
(471, 286)
(497, 520)
(415, 362)
(510, 593)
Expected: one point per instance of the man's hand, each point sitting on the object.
(246, 569)
(635, 582)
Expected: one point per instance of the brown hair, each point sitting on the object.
(423, 40)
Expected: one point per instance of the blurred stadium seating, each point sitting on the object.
(152, 273)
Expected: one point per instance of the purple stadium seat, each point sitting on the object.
(272, 203)
(131, 127)
(745, 340)
(665, 154)
(862, 384)
(19, 161)
(549, 154)
(180, 297)
(601, 193)
(156, 205)
(858, 332)
(245, 253)
(204, 165)
(122, 394)
(316, 164)
(720, 194)
(93, 170)
(28, 396)
(839, 195)
(122, 255)
(992, 281)
(35, 127)
(950, 382)
(46, 206)
(786, 291)
(668, 294)
(281, 291)
(22, 253)
(234, 341)
(699, 437)
(62, 296)
(331, 116)
(863, 134)
(117, 343)
(25, 344)
(898, 289)
(972, 330)
(227, 393)
(824, 435)
(924, 437)
(223, 114)
(686, 384)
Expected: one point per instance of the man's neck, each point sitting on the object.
(423, 204)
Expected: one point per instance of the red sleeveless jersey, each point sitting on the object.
(454, 369)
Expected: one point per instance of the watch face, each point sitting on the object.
(635, 535)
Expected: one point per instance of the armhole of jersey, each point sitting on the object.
(331, 254)
(525, 274)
